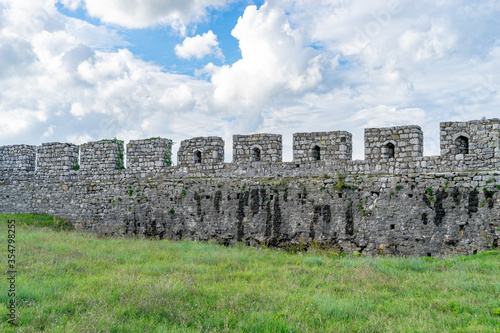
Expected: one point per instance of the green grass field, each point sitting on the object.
(73, 282)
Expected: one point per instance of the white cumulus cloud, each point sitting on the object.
(145, 13)
(337, 65)
(199, 46)
(275, 62)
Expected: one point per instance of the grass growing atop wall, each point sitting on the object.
(72, 282)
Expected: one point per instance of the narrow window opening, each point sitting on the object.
(390, 150)
(410, 195)
(392, 226)
(316, 153)
(197, 157)
(429, 254)
(462, 145)
(256, 155)
(342, 139)
(340, 195)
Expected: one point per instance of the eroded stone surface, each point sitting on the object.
(404, 205)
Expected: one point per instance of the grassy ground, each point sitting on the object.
(72, 282)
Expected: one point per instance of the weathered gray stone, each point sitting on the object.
(101, 155)
(260, 147)
(393, 143)
(322, 146)
(201, 150)
(18, 158)
(406, 205)
(149, 154)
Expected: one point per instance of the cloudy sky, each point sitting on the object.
(84, 70)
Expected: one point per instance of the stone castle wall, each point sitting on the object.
(57, 157)
(400, 143)
(474, 138)
(322, 146)
(257, 148)
(148, 154)
(408, 204)
(102, 155)
(18, 158)
(201, 150)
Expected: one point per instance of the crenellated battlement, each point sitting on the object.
(57, 157)
(322, 146)
(395, 201)
(18, 157)
(399, 142)
(478, 138)
(149, 154)
(465, 146)
(260, 147)
(102, 155)
(201, 151)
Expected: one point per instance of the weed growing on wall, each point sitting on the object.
(120, 165)
(119, 143)
(76, 166)
(340, 179)
(167, 157)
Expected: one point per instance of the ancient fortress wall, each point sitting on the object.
(257, 148)
(322, 146)
(396, 201)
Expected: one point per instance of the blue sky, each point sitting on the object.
(84, 70)
(157, 43)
